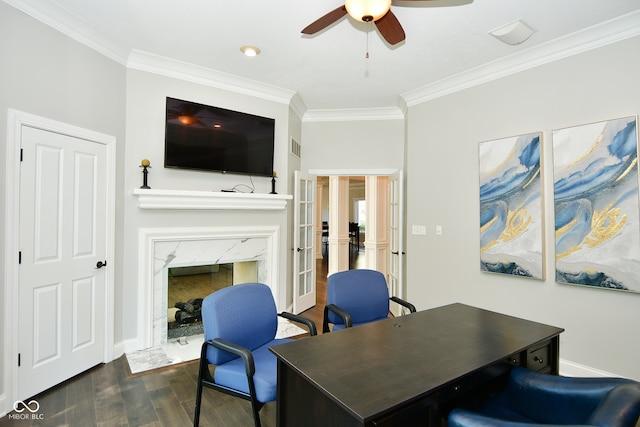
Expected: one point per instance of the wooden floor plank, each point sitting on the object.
(106, 396)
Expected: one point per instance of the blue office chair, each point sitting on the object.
(535, 399)
(355, 297)
(240, 324)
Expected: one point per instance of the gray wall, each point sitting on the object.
(47, 74)
(361, 144)
(442, 189)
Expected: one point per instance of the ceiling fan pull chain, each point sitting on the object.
(368, 32)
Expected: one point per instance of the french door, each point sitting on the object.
(304, 262)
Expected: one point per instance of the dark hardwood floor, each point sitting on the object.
(108, 396)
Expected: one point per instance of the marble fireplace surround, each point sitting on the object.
(165, 247)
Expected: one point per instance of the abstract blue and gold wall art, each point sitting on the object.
(596, 205)
(511, 210)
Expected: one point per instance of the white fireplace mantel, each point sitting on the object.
(180, 199)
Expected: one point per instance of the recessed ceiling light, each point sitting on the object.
(250, 50)
(513, 33)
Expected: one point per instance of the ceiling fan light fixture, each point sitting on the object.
(513, 33)
(250, 50)
(367, 10)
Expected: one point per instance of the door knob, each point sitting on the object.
(101, 264)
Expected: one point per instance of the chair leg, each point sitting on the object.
(196, 415)
(256, 405)
(256, 413)
(203, 373)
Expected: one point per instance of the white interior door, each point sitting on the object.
(61, 315)
(304, 263)
(396, 235)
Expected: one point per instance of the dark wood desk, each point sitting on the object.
(403, 371)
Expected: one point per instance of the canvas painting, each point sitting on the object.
(511, 209)
(596, 205)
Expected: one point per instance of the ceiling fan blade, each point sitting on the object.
(325, 21)
(390, 28)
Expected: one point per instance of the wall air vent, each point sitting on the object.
(295, 148)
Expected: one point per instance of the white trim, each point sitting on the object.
(573, 369)
(147, 239)
(179, 199)
(162, 65)
(603, 34)
(352, 172)
(353, 114)
(51, 14)
(16, 120)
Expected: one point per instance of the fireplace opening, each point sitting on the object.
(188, 286)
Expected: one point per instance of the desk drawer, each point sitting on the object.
(538, 358)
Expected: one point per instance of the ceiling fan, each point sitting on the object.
(376, 11)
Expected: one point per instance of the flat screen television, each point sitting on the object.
(209, 138)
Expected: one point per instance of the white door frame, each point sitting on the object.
(16, 120)
(355, 172)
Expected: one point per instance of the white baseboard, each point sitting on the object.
(130, 345)
(573, 369)
(118, 350)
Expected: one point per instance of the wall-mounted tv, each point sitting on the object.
(209, 138)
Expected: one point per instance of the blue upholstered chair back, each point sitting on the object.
(537, 399)
(361, 293)
(244, 314)
(549, 399)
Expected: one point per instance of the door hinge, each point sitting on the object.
(18, 360)
(19, 257)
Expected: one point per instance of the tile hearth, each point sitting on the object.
(185, 349)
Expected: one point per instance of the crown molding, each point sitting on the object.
(603, 34)
(298, 106)
(169, 67)
(60, 19)
(353, 114)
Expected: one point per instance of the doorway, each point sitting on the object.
(60, 223)
(352, 227)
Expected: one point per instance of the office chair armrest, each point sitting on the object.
(300, 319)
(346, 317)
(411, 307)
(238, 350)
